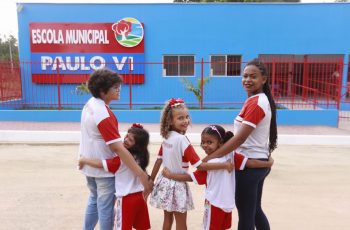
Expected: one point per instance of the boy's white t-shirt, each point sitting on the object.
(126, 182)
(99, 128)
(221, 184)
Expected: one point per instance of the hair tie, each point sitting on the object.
(215, 129)
(137, 125)
(176, 101)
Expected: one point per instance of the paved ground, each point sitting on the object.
(41, 188)
(69, 132)
(344, 127)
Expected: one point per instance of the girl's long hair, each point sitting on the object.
(267, 90)
(167, 117)
(140, 149)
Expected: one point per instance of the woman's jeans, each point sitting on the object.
(249, 187)
(100, 204)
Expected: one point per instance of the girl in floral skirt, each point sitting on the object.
(176, 152)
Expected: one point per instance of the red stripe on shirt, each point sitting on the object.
(201, 176)
(160, 153)
(113, 164)
(238, 159)
(251, 111)
(108, 127)
(190, 155)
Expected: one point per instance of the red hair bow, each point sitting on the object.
(137, 125)
(176, 101)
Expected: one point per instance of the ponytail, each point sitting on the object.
(267, 90)
(273, 123)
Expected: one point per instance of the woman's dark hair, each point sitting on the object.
(267, 90)
(219, 132)
(102, 80)
(140, 148)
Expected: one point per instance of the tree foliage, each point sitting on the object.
(8, 47)
(195, 89)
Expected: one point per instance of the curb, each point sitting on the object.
(73, 137)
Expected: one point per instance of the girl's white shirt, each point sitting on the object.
(177, 152)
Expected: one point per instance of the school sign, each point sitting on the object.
(74, 50)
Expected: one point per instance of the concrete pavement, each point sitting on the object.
(69, 132)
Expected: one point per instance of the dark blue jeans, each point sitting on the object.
(249, 187)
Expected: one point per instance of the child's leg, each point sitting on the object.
(180, 219)
(168, 220)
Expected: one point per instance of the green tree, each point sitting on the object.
(195, 89)
(8, 48)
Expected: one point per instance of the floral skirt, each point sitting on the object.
(171, 195)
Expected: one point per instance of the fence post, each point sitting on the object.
(202, 83)
(305, 78)
(130, 85)
(58, 84)
(315, 98)
(340, 84)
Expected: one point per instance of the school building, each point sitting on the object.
(191, 51)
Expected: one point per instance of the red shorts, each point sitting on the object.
(215, 218)
(131, 211)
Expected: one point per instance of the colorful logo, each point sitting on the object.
(128, 32)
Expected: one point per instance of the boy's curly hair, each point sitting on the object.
(102, 80)
(167, 116)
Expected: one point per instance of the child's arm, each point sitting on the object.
(253, 163)
(155, 169)
(130, 162)
(216, 166)
(110, 165)
(174, 176)
(191, 155)
(96, 163)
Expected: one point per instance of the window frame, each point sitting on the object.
(226, 65)
(164, 74)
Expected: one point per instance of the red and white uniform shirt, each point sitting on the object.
(256, 112)
(126, 182)
(99, 128)
(221, 185)
(177, 152)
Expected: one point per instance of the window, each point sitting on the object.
(178, 65)
(226, 65)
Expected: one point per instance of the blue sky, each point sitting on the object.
(8, 14)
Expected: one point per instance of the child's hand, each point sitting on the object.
(270, 162)
(81, 162)
(166, 173)
(229, 166)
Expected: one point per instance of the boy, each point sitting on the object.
(100, 139)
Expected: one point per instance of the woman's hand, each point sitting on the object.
(270, 161)
(81, 162)
(166, 173)
(229, 166)
(147, 183)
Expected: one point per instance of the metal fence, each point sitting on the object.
(303, 84)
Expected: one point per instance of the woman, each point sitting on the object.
(255, 137)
